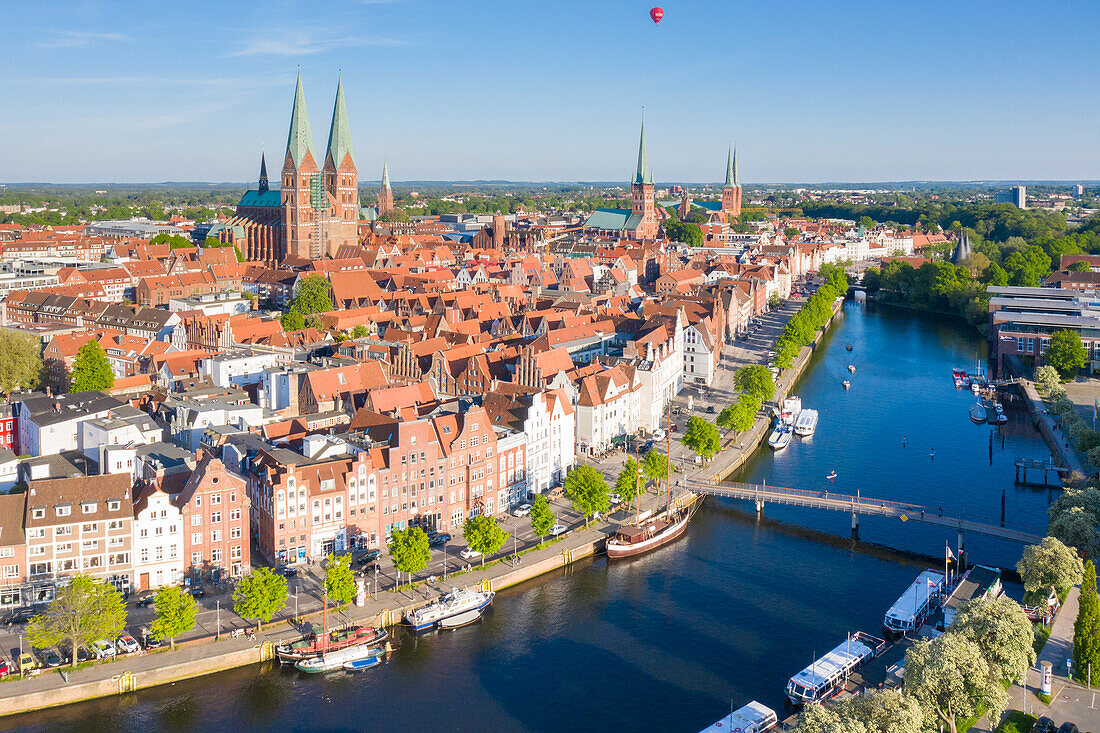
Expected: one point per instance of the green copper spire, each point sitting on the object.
(300, 140)
(385, 176)
(736, 178)
(731, 169)
(642, 175)
(339, 136)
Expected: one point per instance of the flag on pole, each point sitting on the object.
(950, 555)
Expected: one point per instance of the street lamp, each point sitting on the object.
(218, 633)
(444, 561)
(295, 597)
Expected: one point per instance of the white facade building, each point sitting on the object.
(158, 541)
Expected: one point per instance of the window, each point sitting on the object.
(235, 553)
(216, 536)
(234, 515)
(216, 555)
(114, 505)
(215, 517)
(196, 520)
(90, 527)
(215, 498)
(196, 538)
(38, 550)
(145, 554)
(87, 507)
(196, 558)
(234, 533)
(64, 511)
(89, 545)
(38, 513)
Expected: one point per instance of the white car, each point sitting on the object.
(659, 434)
(103, 649)
(469, 553)
(522, 510)
(557, 529)
(127, 644)
(615, 499)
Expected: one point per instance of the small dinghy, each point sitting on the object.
(359, 665)
(846, 384)
(831, 476)
(852, 368)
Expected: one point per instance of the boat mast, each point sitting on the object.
(668, 456)
(324, 622)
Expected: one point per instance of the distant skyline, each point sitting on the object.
(844, 91)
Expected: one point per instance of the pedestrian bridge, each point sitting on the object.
(856, 505)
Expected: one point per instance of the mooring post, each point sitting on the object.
(759, 508)
(855, 526)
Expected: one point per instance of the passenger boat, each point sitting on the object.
(462, 619)
(752, 718)
(827, 676)
(635, 539)
(977, 413)
(960, 378)
(792, 408)
(915, 605)
(358, 665)
(314, 644)
(846, 384)
(780, 437)
(330, 661)
(452, 604)
(806, 423)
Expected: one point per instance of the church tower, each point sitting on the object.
(265, 185)
(302, 187)
(643, 212)
(731, 191)
(385, 194)
(685, 204)
(340, 213)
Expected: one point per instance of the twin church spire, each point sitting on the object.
(299, 142)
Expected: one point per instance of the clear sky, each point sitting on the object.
(809, 90)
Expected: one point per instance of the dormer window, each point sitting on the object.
(113, 505)
(38, 513)
(64, 511)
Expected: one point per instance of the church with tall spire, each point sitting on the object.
(316, 209)
(640, 221)
(731, 190)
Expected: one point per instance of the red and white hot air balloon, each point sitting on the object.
(656, 14)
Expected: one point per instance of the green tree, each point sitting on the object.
(484, 535)
(1049, 564)
(884, 711)
(755, 380)
(1079, 266)
(1086, 629)
(91, 370)
(359, 332)
(587, 489)
(950, 679)
(655, 466)
(292, 321)
(339, 579)
(313, 295)
(542, 517)
(1047, 377)
(395, 215)
(702, 437)
(175, 614)
(866, 222)
(628, 485)
(1002, 632)
(20, 361)
(260, 595)
(741, 415)
(410, 551)
(83, 611)
(791, 232)
(1075, 528)
(995, 275)
(1066, 353)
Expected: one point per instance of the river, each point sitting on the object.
(666, 641)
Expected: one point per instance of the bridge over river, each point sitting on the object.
(856, 505)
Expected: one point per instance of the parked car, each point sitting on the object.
(469, 553)
(22, 615)
(146, 602)
(615, 499)
(127, 644)
(27, 663)
(710, 408)
(522, 510)
(152, 642)
(82, 654)
(286, 571)
(659, 434)
(1068, 727)
(103, 649)
(557, 529)
(369, 557)
(5, 668)
(51, 658)
(196, 591)
(438, 539)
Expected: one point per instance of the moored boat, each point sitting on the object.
(634, 540)
(806, 423)
(827, 676)
(450, 605)
(313, 645)
(977, 413)
(792, 408)
(852, 368)
(915, 605)
(462, 619)
(752, 718)
(358, 665)
(846, 384)
(848, 347)
(330, 661)
(780, 437)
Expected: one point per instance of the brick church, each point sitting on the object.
(316, 210)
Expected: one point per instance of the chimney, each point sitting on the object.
(198, 455)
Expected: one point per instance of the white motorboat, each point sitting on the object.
(828, 675)
(915, 604)
(452, 604)
(846, 384)
(792, 408)
(852, 368)
(806, 423)
(780, 437)
(462, 619)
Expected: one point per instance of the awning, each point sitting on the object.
(618, 439)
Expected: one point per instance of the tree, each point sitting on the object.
(587, 489)
(259, 595)
(359, 332)
(791, 232)
(410, 551)
(175, 614)
(1049, 564)
(655, 466)
(91, 370)
(755, 380)
(995, 275)
(1047, 377)
(629, 483)
(1002, 632)
(83, 611)
(1075, 528)
(339, 579)
(1079, 266)
(484, 535)
(396, 214)
(542, 517)
(1086, 629)
(313, 295)
(1066, 353)
(885, 711)
(20, 361)
(292, 321)
(950, 678)
(702, 437)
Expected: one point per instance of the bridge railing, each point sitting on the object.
(860, 502)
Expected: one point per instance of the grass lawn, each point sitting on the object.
(1016, 722)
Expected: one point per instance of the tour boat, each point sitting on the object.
(359, 665)
(852, 368)
(827, 676)
(313, 645)
(462, 619)
(634, 540)
(977, 413)
(846, 384)
(806, 423)
(792, 408)
(780, 437)
(330, 661)
(915, 604)
(752, 718)
(452, 604)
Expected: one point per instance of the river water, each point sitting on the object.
(666, 641)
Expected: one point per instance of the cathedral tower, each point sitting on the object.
(731, 191)
(341, 178)
(385, 193)
(643, 212)
(302, 186)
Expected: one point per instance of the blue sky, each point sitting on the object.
(822, 90)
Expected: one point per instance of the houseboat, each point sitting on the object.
(915, 605)
(828, 675)
(752, 718)
(806, 423)
(978, 582)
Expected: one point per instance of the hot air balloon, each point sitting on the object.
(656, 14)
